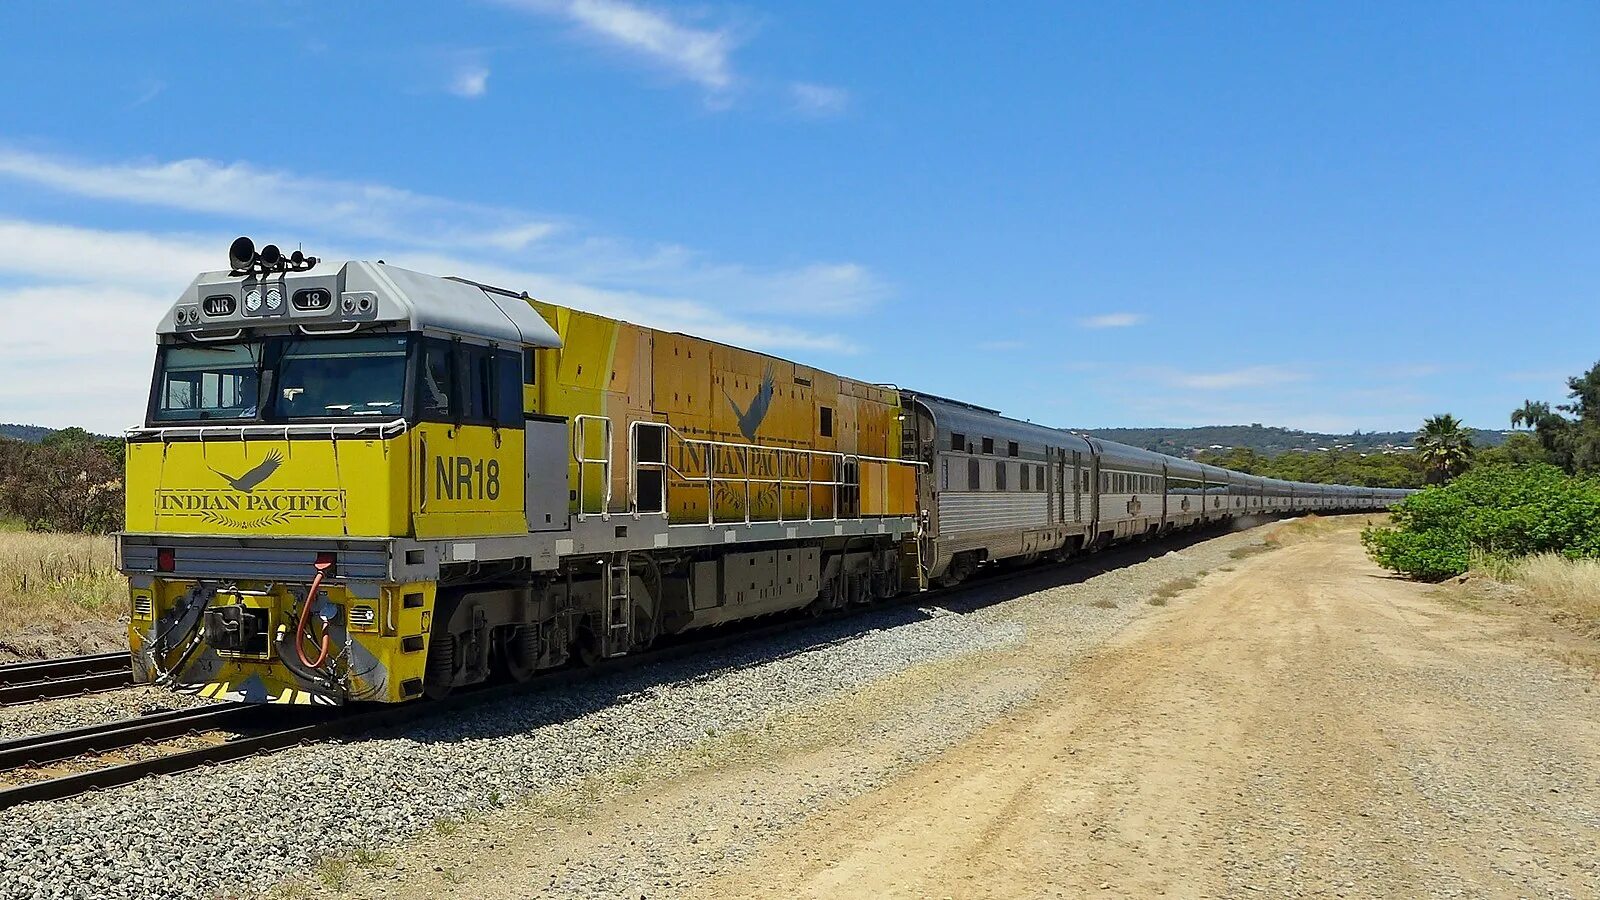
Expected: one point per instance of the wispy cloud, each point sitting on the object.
(697, 54)
(265, 195)
(1113, 320)
(1248, 377)
(149, 89)
(470, 80)
(818, 100)
(60, 281)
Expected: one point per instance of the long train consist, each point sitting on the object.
(357, 482)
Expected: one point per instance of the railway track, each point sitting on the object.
(67, 677)
(258, 730)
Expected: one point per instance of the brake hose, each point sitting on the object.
(305, 620)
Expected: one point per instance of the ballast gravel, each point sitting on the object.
(62, 713)
(246, 826)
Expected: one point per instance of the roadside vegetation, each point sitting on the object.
(69, 482)
(60, 592)
(1525, 514)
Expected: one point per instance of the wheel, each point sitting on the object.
(438, 678)
(517, 651)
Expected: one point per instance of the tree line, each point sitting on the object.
(1537, 493)
(69, 481)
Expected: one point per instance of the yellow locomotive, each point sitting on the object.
(357, 482)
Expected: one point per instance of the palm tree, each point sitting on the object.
(1532, 413)
(1445, 446)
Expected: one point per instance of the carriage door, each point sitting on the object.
(1077, 484)
(1163, 496)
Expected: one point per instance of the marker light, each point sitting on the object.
(166, 560)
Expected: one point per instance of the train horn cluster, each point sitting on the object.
(244, 260)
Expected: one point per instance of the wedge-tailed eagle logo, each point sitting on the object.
(750, 418)
(249, 480)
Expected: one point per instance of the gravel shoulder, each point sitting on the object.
(1295, 724)
(670, 821)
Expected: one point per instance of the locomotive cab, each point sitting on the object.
(298, 421)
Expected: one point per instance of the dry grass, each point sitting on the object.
(59, 594)
(1568, 588)
(1312, 526)
(1164, 594)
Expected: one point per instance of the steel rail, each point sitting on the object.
(42, 749)
(66, 677)
(343, 722)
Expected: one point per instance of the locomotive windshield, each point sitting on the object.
(341, 377)
(211, 381)
(288, 379)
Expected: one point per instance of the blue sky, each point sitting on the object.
(1325, 216)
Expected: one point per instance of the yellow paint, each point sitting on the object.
(309, 487)
(375, 669)
(701, 388)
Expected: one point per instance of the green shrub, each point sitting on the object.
(1499, 511)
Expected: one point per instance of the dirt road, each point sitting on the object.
(1298, 725)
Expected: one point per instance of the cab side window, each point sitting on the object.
(436, 382)
(508, 391)
(477, 376)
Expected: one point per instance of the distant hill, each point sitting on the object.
(1270, 441)
(33, 434)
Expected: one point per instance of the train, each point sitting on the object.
(357, 483)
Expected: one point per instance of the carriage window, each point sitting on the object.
(827, 421)
(1039, 477)
(972, 476)
(988, 445)
(1023, 484)
(1011, 448)
(958, 442)
(999, 476)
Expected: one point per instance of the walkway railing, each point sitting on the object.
(660, 457)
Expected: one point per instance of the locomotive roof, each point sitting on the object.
(421, 302)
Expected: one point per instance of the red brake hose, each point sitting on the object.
(305, 620)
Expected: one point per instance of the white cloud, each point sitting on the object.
(1248, 377)
(700, 55)
(470, 81)
(818, 99)
(664, 311)
(40, 251)
(240, 190)
(1113, 320)
(85, 300)
(77, 354)
(81, 305)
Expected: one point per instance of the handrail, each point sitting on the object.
(579, 448)
(842, 463)
(286, 429)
